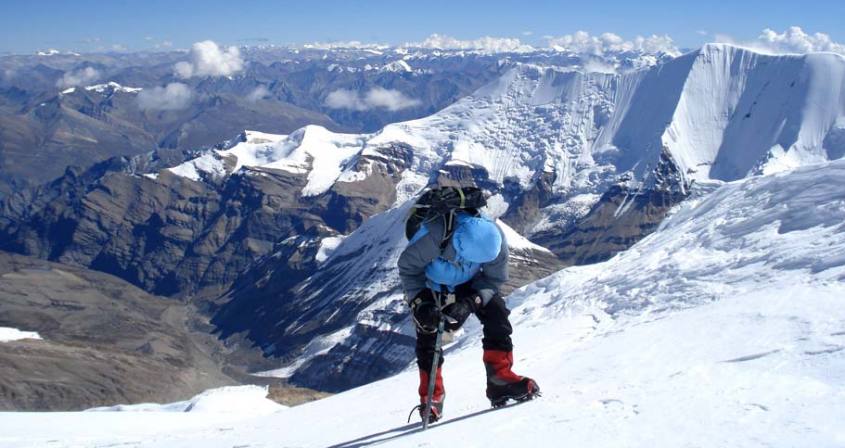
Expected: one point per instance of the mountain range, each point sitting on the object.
(285, 239)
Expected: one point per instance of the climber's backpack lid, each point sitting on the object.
(443, 202)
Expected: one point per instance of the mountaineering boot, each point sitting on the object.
(502, 383)
(437, 398)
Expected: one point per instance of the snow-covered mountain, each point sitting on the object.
(719, 113)
(723, 328)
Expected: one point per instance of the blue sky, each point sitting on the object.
(86, 25)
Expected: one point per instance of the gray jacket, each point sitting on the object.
(415, 258)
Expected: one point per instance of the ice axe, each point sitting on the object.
(438, 347)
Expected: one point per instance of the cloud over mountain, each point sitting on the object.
(174, 96)
(209, 59)
(578, 42)
(584, 42)
(259, 93)
(793, 40)
(486, 43)
(79, 77)
(376, 97)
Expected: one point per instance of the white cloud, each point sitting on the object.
(208, 59)
(258, 93)
(351, 44)
(389, 99)
(344, 99)
(174, 96)
(79, 77)
(487, 44)
(597, 65)
(160, 45)
(584, 42)
(376, 97)
(793, 40)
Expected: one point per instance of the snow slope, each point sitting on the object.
(723, 328)
(250, 400)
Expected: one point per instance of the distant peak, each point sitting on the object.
(112, 86)
(722, 47)
(257, 137)
(725, 47)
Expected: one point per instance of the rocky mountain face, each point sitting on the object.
(104, 341)
(175, 236)
(288, 242)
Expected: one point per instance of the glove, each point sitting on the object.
(425, 313)
(460, 310)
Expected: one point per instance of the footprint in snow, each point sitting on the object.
(619, 406)
(755, 407)
(752, 357)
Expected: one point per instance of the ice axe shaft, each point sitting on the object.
(432, 376)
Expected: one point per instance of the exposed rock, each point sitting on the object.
(174, 236)
(620, 218)
(104, 341)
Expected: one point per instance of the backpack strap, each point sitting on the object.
(450, 225)
(448, 229)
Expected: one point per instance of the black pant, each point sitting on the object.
(494, 319)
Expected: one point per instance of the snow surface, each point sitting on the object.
(517, 241)
(327, 247)
(111, 87)
(251, 400)
(318, 346)
(9, 334)
(723, 328)
(313, 150)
